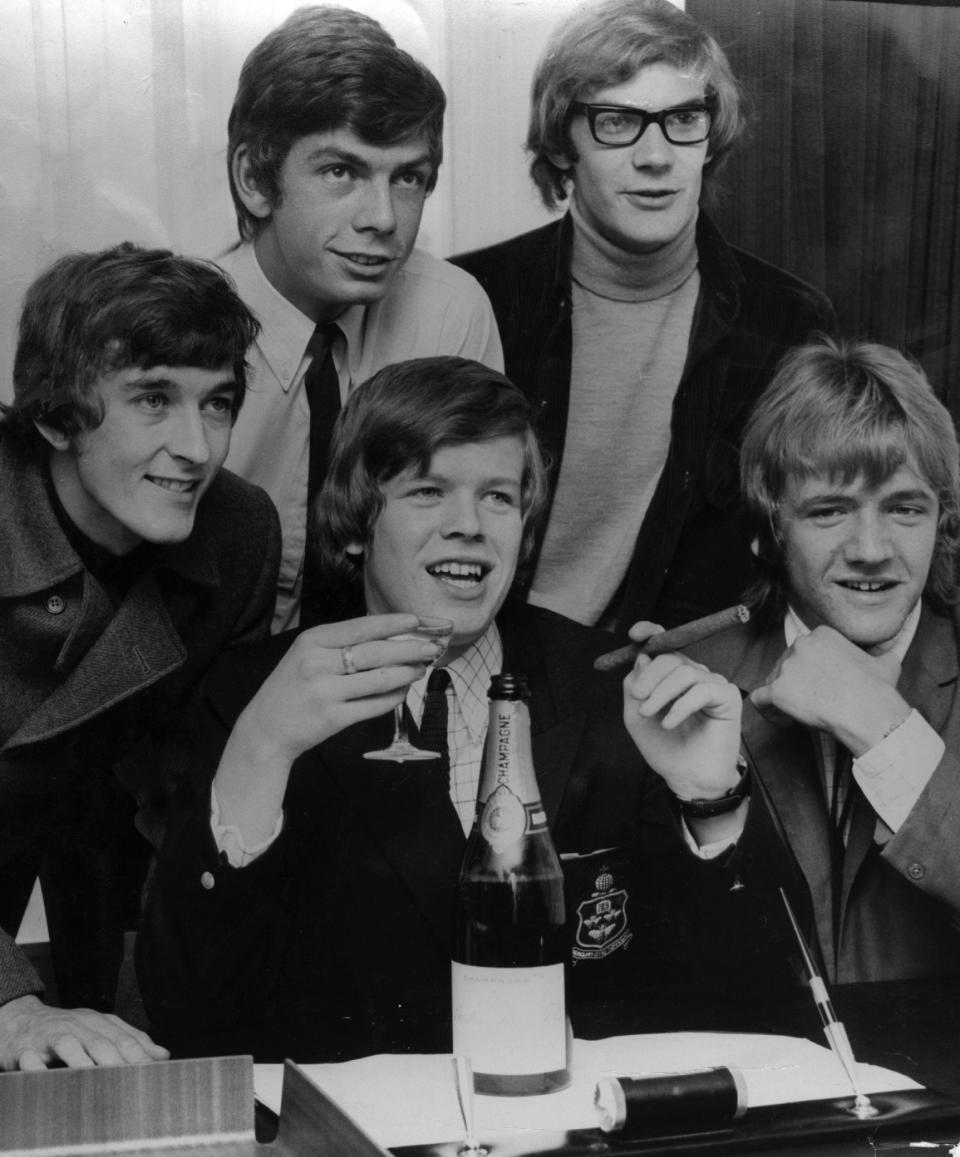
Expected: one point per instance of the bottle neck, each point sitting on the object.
(508, 756)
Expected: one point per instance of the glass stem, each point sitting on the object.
(400, 726)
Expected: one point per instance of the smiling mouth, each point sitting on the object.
(460, 574)
(868, 587)
(367, 259)
(177, 485)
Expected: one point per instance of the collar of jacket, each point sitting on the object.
(747, 654)
(719, 273)
(35, 550)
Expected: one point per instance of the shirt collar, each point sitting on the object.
(470, 674)
(285, 331)
(794, 627)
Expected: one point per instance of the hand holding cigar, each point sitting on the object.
(674, 639)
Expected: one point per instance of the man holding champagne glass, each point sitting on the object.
(310, 912)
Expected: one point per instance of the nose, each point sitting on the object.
(376, 211)
(869, 540)
(462, 518)
(188, 436)
(652, 149)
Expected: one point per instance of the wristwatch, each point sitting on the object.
(706, 809)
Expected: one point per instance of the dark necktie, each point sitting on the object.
(433, 725)
(322, 387)
(842, 793)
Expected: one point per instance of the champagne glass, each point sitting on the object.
(401, 749)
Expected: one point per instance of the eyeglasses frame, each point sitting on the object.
(592, 111)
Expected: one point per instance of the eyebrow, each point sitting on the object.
(345, 156)
(502, 480)
(844, 497)
(164, 383)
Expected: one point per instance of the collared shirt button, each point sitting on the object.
(56, 604)
(916, 870)
(207, 881)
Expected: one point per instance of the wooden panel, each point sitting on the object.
(179, 1102)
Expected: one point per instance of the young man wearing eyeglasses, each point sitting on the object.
(641, 337)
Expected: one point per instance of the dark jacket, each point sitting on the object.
(336, 941)
(692, 554)
(899, 913)
(88, 695)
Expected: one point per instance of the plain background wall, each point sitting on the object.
(113, 123)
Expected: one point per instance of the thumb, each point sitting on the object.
(643, 630)
(762, 699)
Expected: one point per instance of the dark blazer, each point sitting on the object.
(692, 553)
(336, 942)
(899, 903)
(88, 695)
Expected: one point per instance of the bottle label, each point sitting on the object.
(510, 1021)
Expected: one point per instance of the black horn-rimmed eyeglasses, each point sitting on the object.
(621, 125)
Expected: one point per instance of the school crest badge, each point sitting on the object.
(602, 925)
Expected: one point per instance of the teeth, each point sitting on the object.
(865, 586)
(364, 259)
(173, 484)
(457, 570)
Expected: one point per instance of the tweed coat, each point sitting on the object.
(89, 694)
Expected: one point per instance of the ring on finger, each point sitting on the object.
(346, 657)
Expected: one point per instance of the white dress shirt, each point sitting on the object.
(431, 308)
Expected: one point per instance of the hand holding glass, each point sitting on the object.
(401, 749)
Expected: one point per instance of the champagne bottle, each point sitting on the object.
(509, 1014)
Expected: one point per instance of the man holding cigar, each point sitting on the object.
(850, 724)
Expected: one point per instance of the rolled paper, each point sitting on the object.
(674, 639)
(691, 1102)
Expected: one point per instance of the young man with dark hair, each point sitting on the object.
(851, 724)
(640, 336)
(324, 927)
(335, 140)
(130, 562)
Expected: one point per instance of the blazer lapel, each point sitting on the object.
(138, 646)
(407, 813)
(784, 758)
(557, 717)
(929, 675)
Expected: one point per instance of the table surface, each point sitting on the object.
(912, 1027)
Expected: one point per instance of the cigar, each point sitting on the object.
(674, 639)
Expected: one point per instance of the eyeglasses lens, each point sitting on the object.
(685, 126)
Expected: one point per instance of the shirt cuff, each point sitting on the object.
(717, 847)
(894, 772)
(229, 839)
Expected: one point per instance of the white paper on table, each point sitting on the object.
(411, 1099)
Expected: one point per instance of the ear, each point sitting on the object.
(561, 160)
(755, 547)
(245, 183)
(57, 438)
(355, 548)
